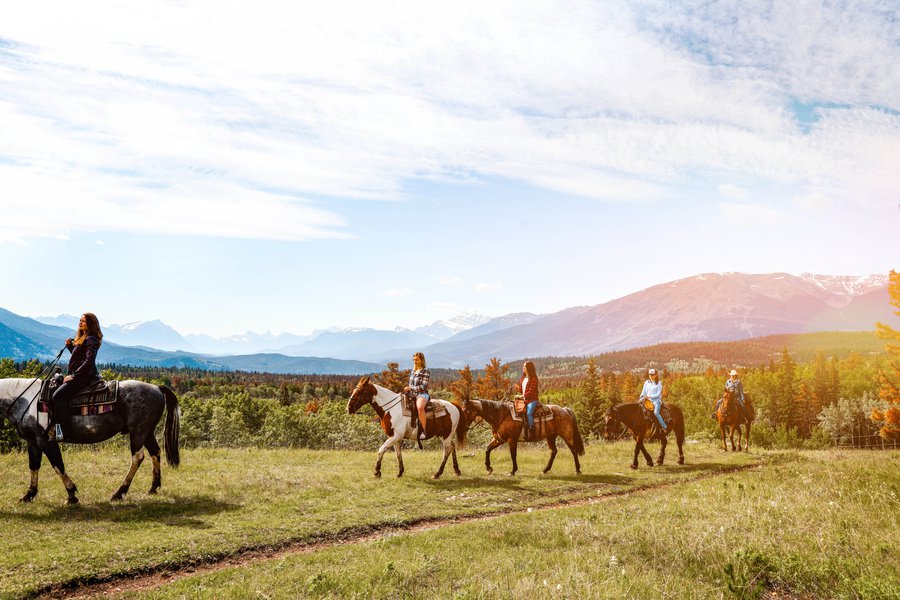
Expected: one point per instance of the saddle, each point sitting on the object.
(541, 413)
(433, 409)
(647, 410)
(97, 399)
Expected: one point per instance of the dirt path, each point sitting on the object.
(153, 577)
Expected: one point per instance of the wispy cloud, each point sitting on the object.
(451, 281)
(750, 214)
(487, 287)
(146, 110)
(733, 192)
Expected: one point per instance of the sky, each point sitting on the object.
(233, 166)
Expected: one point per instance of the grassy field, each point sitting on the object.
(222, 501)
(818, 524)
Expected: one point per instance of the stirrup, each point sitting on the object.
(55, 433)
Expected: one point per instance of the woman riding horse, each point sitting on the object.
(652, 391)
(418, 385)
(528, 385)
(82, 372)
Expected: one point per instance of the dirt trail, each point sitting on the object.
(153, 577)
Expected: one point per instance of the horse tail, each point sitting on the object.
(579, 443)
(173, 427)
(678, 425)
(462, 428)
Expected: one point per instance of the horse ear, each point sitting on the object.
(364, 380)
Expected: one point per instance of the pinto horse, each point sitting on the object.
(730, 417)
(388, 406)
(632, 416)
(138, 410)
(507, 430)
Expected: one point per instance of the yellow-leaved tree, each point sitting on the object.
(890, 375)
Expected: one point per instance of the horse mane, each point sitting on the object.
(493, 407)
(13, 386)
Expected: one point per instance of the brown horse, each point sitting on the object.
(730, 417)
(508, 430)
(632, 416)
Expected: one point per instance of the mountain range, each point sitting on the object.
(706, 307)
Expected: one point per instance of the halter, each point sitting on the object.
(12, 405)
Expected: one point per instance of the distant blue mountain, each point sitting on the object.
(22, 338)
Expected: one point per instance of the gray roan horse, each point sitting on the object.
(138, 410)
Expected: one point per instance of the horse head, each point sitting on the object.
(362, 394)
(472, 409)
(609, 432)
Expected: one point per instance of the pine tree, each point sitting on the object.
(393, 378)
(591, 409)
(786, 406)
(463, 388)
(889, 376)
(494, 384)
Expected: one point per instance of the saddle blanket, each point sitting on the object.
(97, 400)
(542, 413)
(433, 409)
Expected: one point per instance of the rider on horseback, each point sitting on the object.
(733, 385)
(529, 387)
(652, 391)
(418, 385)
(82, 372)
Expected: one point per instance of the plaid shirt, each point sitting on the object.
(736, 388)
(418, 381)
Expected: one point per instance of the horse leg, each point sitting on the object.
(487, 455)
(34, 464)
(513, 448)
(551, 443)
(398, 450)
(447, 447)
(731, 429)
(646, 454)
(455, 462)
(152, 447)
(747, 447)
(724, 443)
(662, 451)
(387, 444)
(637, 449)
(54, 455)
(740, 437)
(137, 457)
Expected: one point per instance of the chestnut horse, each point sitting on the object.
(730, 417)
(507, 430)
(632, 416)
(388, 406)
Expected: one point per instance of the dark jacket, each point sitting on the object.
(83, 364)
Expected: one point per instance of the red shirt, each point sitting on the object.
(531, 389)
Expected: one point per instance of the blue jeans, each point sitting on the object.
(529, 410)
(657, 406)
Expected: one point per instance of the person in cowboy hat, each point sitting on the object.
(652, 391)
(733, 385)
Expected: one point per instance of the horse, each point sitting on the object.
(631, 415)
(729, 416)
(388, 406)
(507, 430)
(137, 411)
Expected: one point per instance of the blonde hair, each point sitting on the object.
(418, 358)
(92, 327)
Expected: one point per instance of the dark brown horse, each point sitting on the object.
(632, 416)
(508, 430)
(730, 417)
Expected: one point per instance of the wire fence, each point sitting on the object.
(867, 441)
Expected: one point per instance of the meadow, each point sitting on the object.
(224, 501)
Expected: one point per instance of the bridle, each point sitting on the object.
(8, 412)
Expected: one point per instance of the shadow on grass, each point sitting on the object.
(180, 511)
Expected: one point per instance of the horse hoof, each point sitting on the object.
(511, 474)
(435, 476)
(633, 467)
(27, 498)
(152, 492)
(458, 473)
(71, 501)
(116, 497)
(680, 461)
(659, 463)
(489, 470)
(377, 474)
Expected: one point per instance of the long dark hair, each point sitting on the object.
(93, 328)
(530, 371)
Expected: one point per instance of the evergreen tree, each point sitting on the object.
(786, 408)
(393, 378)
(590, 408)
(463, 388)
(889, 375)
(494, 384)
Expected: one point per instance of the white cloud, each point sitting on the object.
(487, 287)
(749, 214)
(163, 109)
(398, 293)
(733, 192)
(451, 281)
(813, 201)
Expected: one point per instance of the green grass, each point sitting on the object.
(221, 501)
(820, 524)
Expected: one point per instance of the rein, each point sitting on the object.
(12, 405)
